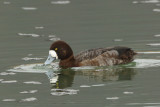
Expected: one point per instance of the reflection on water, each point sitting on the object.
(65, 78)
(62, 81)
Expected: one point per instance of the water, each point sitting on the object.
(29, 27)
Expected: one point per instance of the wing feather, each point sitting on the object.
(123, 53)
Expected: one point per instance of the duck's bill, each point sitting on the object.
(49, 60)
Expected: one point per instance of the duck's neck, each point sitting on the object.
(69, 62)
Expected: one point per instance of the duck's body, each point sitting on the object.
(93, 57)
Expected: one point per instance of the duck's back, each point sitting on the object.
(105, 56)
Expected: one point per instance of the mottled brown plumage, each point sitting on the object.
(93, 57)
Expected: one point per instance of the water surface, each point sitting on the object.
(29, 27)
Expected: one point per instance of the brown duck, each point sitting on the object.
(93, 57)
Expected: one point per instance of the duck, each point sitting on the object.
(108, 56)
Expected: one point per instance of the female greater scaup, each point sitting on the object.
(93, 57)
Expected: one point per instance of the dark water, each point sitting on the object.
(28, 27)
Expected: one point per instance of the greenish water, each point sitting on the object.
(28, 28)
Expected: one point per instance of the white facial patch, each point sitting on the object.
(53, 54)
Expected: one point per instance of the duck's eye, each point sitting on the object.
(56, 49)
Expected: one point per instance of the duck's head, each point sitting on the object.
(59, 50)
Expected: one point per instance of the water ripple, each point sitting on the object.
(29, 99)
(60, 92)
(29, 58)
(60, 2)
(29, 8)
(30, 91)
(32, 82)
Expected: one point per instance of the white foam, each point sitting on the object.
(152, 106)
(30, 91)
(83, 68)
(29, 8)
(158, 35)
(150, 1)
(112, 98)
(10, 81)
(30, 54)
(29, 58)
(146, 1)
(54, 79)
(54, 39)
(52, 36)
(126, 92)
(39, 27)
(146, 63)
(60, 2)
(40, 68)
(135, 2)
(6, 2)
(32, 82)
(33, 68)
(149, 52)
(9, 100)
(29, 99)
(142, 103)
(118, 40)
(153, 44)
(60, 92)
(7, 73)
(1, 80)
(156, 10)
(29, 34)
(98, 85)
(85, 86)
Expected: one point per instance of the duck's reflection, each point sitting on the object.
(65, 78)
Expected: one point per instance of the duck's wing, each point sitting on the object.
(89, 54)
(120, 53)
